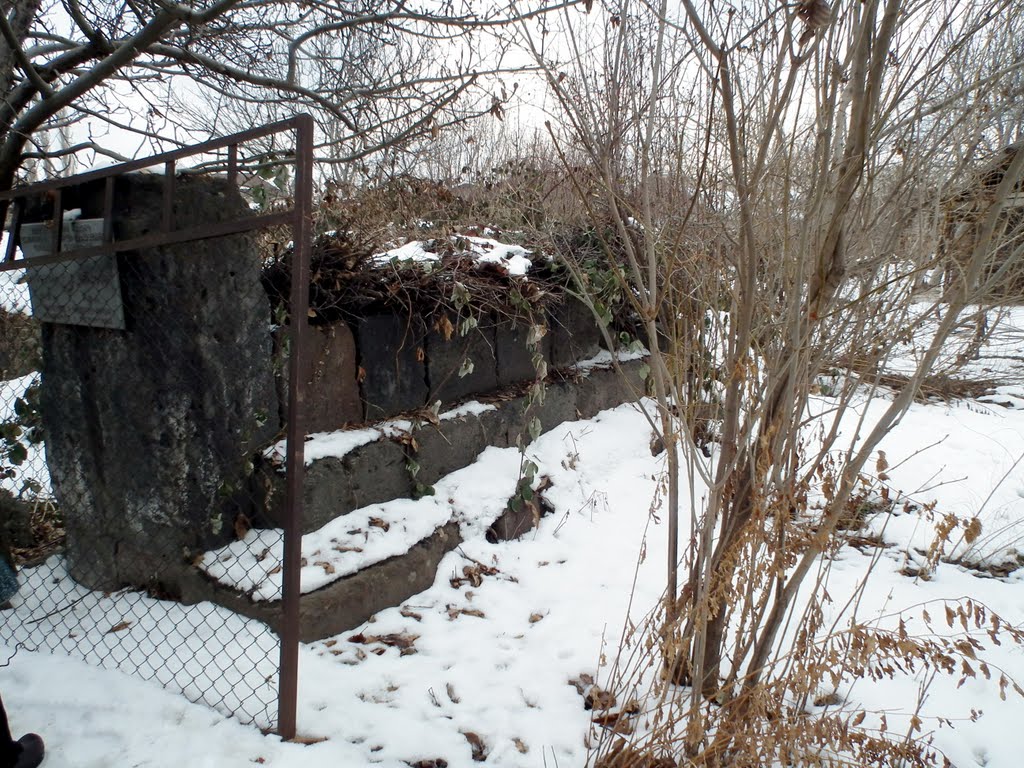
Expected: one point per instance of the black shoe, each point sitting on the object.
(32, 750)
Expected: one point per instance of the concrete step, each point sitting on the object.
(350, 471)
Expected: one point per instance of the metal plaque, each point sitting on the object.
(77, 291)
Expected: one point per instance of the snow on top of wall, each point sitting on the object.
(484, 250)
(339, 443)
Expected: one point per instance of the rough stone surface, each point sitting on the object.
(370, 474)
(332, 397)
(451, 445)
(515, 360)
(445, 359)
(332, 384)
(519, 519)
(345, 604)
(378, 471)
(559, 406)
(391, 352)
(149, 430)
(607, 388)
(574, 333)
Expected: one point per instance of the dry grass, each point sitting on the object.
(939, 387)
(46, 527)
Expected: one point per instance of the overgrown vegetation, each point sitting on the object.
(778, 181)
(759, 193)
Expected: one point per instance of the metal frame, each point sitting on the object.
(300, 218)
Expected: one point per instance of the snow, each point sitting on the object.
(339, 443)
(33, 471)
(484, 250)
(14, 295)
(495, 659)
(604, 358)
(345, 545)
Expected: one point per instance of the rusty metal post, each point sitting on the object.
(302, 227)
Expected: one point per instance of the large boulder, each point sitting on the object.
(150, 430)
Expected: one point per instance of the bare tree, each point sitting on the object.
(374, 74)
(811, 146)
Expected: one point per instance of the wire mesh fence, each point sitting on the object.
(140, 387)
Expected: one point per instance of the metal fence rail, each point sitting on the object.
(141, 381)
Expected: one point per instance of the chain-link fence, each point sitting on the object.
(142, 383)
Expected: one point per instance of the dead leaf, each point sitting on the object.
(477, 745)
(473, 575)
(523, 749)
(411, 614)
(614, 720)
(307, 740)
(454, 613)
(328, 568)
(376, 522)
(581, 683)
(119, 627)
(343, 548)
(402, 640)
(450, 689)
(599, 699)
(242, 525)
(535, 617)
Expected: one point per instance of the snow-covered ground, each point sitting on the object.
(490, 651)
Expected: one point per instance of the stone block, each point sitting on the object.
(332, 385)
(515, 359)
(348, 602)
(370, 474)
(150, 430)
(391, 352)
(451, 445)
(332, 397)
(559, 406)
(446, 359)
(574, 333)
(604, 388)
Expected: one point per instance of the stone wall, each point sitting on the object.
(156, 432)
(150, 429)
(387, 364)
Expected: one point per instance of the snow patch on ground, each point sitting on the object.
(14, 295)
(495, 659)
